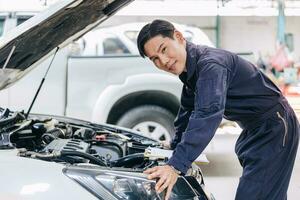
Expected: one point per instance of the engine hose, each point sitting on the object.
(152, 163)
(62, 153)
(57, 132)
(128, 161)
(83, 155)
(108, 142)
(32, 154)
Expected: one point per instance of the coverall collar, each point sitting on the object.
(191, 60)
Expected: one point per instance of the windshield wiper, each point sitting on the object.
(41, 84)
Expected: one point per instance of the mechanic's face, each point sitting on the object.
(166, 53)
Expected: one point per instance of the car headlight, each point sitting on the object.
(111, 184)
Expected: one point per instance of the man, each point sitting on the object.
(219, 84)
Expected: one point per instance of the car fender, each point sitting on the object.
(136, 83)
(32, 179)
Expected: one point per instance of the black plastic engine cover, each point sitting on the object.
(58, 145)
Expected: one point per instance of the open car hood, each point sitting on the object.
(36, 39)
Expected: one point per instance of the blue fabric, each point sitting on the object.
(217, 84)
(267, 154)
(220, 84)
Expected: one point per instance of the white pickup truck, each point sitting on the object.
(104, 81)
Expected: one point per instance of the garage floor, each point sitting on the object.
(223, 172)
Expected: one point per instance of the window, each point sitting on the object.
(289, 40)
(114, 46)
(132, 35)
(22, 19)
(1, 26)
(188, 35)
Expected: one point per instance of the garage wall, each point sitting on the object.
(256, 34)
(248, 34)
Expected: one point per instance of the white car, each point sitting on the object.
(47, 157)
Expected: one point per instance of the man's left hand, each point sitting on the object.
(167, 178)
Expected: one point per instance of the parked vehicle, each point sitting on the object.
(102, 78)
(122, 39)
(48, 157)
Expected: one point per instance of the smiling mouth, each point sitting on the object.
(172, 67)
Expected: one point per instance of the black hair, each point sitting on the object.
(150, 30)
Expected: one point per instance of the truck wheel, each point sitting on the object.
(152, 121)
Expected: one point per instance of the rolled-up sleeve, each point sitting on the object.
(209, 106)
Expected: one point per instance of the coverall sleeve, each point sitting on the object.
(209, 106)
(184, 113)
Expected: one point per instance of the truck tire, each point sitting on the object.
(152, 121)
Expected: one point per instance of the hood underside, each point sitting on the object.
(48, 30)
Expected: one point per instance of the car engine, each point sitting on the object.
(74, 141)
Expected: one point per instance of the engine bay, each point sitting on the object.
(74, 141)
(78, 143)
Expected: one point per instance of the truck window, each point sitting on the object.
(1, 26)
(114, 46)
(188, 35)
(132, 35)
(22, 19)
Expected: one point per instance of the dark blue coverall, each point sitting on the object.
(219, 84)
